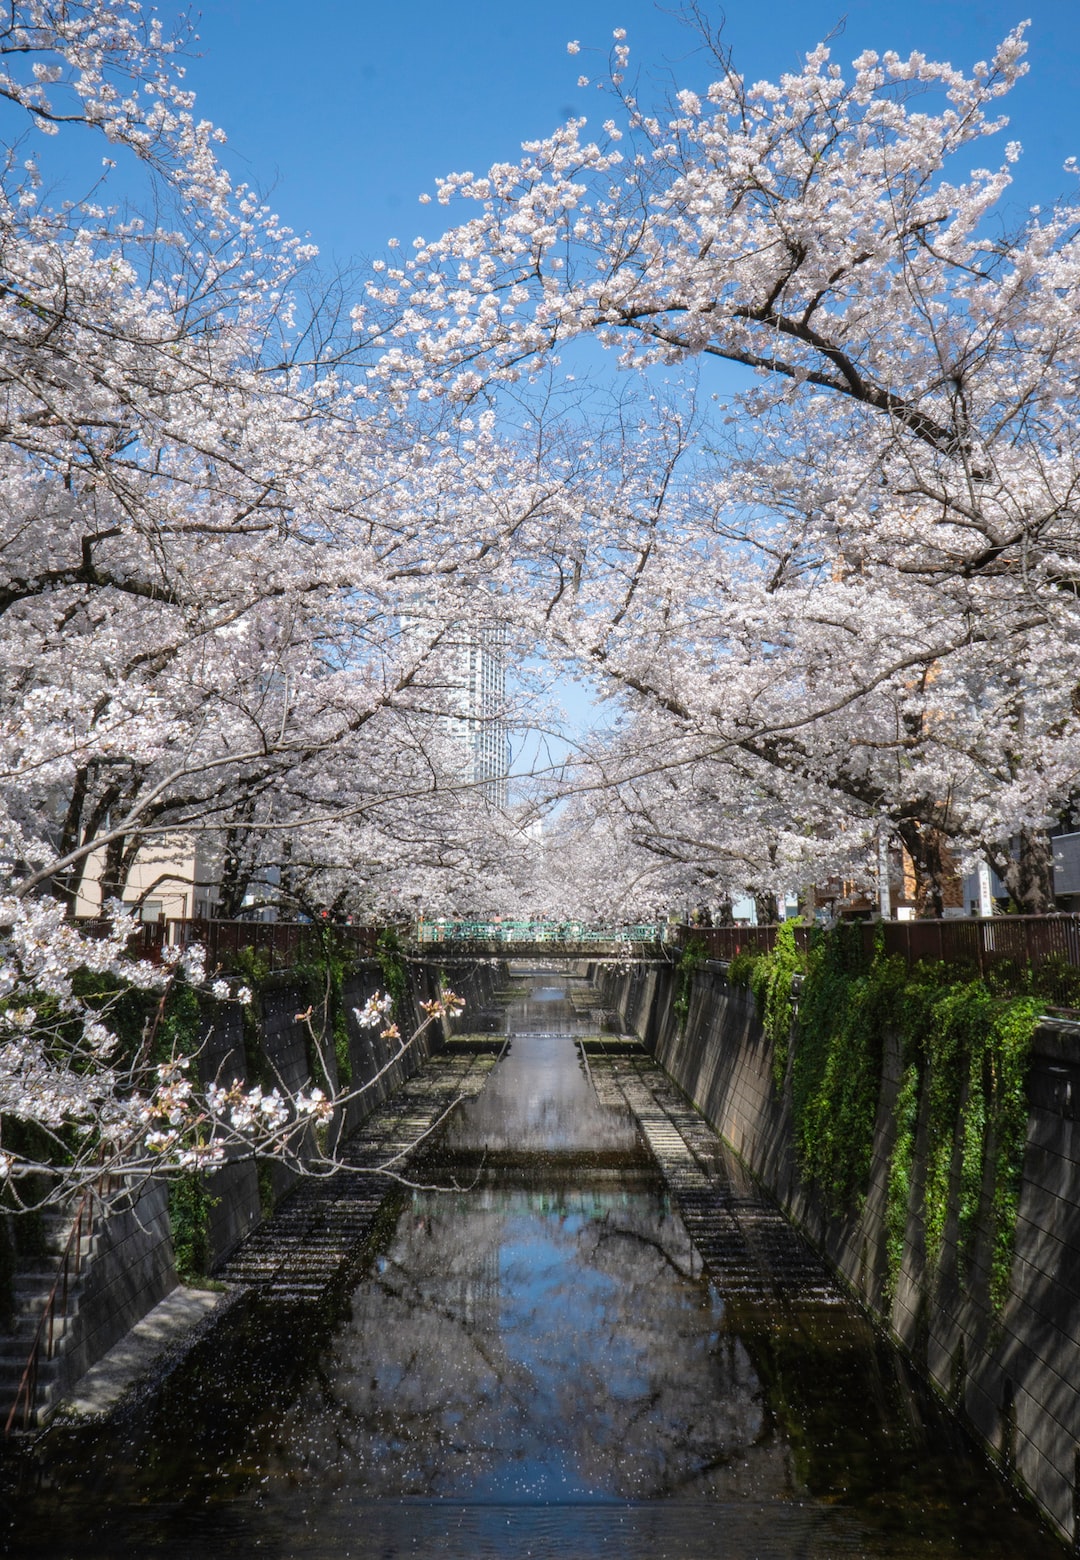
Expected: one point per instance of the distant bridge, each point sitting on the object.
(279, 945)
(541, 939)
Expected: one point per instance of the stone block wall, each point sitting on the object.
(130, 1270)
(1015, 1377)
(241, 1202)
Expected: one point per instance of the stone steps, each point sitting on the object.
(31, 1287)
(747, 1245)
(318, 1234)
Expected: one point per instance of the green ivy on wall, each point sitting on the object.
(254, 967)
(692, 956)
(144, 1022)
(973, 1048)
(395, 974)
(22, 1233)
(319, 973)
(772, 980)
(190, 1203)
(846, 1004)
(964, 1046)
(322, 973)
(173, 1027)
(140, 1018)
(898, 1186)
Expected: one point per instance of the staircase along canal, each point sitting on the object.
(580, 1332)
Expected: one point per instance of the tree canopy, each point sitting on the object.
(836, 606)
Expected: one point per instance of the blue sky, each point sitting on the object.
(342, 112)
(345, 110)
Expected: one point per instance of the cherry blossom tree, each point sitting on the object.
(839, 601)
(876, 548)
(209, 528)
(105, 1112)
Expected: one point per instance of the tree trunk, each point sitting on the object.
(234, 877)
(937, 882)
(112, 871)
(1029, 876)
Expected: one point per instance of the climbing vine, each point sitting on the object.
(322, 974)
(964, 1045)
(772, 981)
(898, 1186)
(190, 1204)
(395, 974)
(168, 1023)
(22, 1238)
(319, 974)
(771, 977)
(254, 966)
(973, 1047)
(692, 956)
(741, 968)
(150, 1029)
(847, 1003)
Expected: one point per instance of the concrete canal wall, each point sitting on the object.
(242, 1201)
(1013, 1377)
(131, 1266)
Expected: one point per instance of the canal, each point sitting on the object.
(535, 1362)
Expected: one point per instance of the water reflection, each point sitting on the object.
(537, 1347)
(534, 1366)
(538, 1101)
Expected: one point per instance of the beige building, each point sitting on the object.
(170, 878)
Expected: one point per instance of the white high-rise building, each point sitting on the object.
(468, 666)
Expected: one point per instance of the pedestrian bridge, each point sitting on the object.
(543, 940)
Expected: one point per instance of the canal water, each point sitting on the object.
(535, 1364)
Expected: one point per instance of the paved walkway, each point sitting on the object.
(750, 1249)
(317, 1236)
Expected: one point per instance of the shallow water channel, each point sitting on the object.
(533, 1364)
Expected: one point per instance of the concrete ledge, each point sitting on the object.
(171, 1325)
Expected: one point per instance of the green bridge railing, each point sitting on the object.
(508, 933)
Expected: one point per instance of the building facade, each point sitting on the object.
(465, 667)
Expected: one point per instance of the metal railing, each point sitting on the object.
(981, 942)
(46, 1335)
(281, 944)
(533, 932)
(985, 940)
(726, 942)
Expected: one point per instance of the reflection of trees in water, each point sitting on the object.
(508, 1351)
(539, 1098)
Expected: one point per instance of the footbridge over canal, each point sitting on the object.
(461, 941)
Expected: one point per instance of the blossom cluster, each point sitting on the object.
(375, 1011)
(446, 1005)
